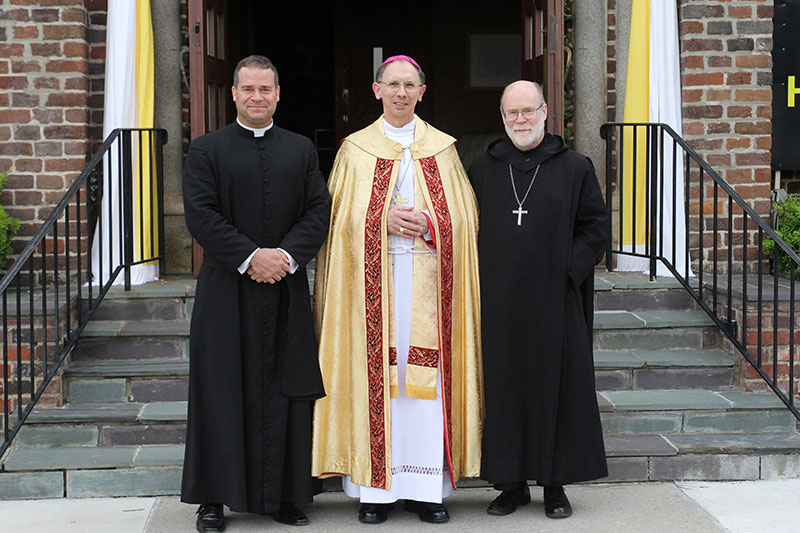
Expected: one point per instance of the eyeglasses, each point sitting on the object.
(394, 86)
(528, 113)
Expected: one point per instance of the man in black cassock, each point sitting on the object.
(543, 228)
(257, 203)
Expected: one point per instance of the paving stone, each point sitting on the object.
(31, 485)
(753, 400)
(102, 328)
(603, 404)
(130, 348)
(666, 400)
(616, 359)
(736, 443)
(601, 285)
(668, 339)
(671, 319)
(732, 421)
(627, 469)
(188, 309)
(140, 309)
(158, 411)
(628, 423)
(37, 435)
(169, 328)
(683, 378)
(136, 368)
(97, 390)
(99, 413)
(704, 467)
(70, 458)
(612, 379)
(160, 455)
(144, 434)
(638, 445)
(114, 483)
(780, 466)
(617, 320)
(683, 358)
(159, 390)
(645, 300)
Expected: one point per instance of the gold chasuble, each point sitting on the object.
(354, 308)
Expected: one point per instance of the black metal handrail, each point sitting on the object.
(53, 288)
(729, 230)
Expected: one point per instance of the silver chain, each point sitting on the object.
(513, 186)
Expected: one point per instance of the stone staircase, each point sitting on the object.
(670, 398)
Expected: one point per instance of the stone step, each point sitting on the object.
(655, 330)
(666, 369)
(135, 381)
(132, 339)
(692, 411)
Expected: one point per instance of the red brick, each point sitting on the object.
(762, 175)
(5, 166)
(5, 133)
(738, 78)
(75, 84)
(67, 65)
(48, 116)
(754, 95)
(718, 160)
(53, 197)
(26, 32)
(716, 95)
(703, 111)
(752, 61)
(11, 50)
(76, 49)
(734, 143)
(14, 116)
(27, 197)
(65, 132)
(699, 45)
(751, 128)
(25, 100)
(4, 66)
(764, 12)
(693, 128)
(25, 66)
(708, 78)
(45, 15)
(73, 99)
(28, 165)
(64, 165)
(14, 82)
(48, 148)
(739, 175)
(718, 127)
(690, 26)
(739, 12)
(46, 49)
(19, 15)
(740, 111)
(76, 148)
(73, 14)
(59, 32)
(764, 111)
(97, 51)
(692, 95)
(45, 83)
(764, 143)
(705, 144)
(719, 61)
(753, 158)
(76, 115)
(693, 62)
(27, 133)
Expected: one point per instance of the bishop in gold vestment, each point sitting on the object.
(355, 311)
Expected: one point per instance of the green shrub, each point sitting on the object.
(789, 230)
(8, 228)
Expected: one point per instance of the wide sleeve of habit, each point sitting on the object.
(590, 234)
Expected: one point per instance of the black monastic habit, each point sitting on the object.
(253, 357)
(537, 281)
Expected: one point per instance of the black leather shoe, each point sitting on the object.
(210, 517)
(509, 500)
(374, 513)
(433, 513)
(289, 514)
(556, 504)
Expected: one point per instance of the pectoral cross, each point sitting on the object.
(399, 200)
(519, 212)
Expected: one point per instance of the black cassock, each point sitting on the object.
(253, 356)
(537, 282)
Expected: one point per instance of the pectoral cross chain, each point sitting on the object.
(519, 211)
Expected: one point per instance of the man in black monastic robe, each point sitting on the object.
(543, 228)
(257, 203)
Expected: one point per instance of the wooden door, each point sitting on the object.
(543, 55)
(209, 86)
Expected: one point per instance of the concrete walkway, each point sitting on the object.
(738, 507)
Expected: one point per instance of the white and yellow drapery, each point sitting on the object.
(129, 103)
(652, 94)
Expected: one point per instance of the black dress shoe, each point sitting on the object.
(289, 514)
(374, 513)
(433, 513)
(556, 504)
(509, 500)
(210, 517)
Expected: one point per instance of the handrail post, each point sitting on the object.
(606, 133)
(653, 200)
(127, 205)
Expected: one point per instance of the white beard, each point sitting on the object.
(526, 139)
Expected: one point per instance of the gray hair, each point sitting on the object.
(379, 72)
(536, 85)
(257, 62)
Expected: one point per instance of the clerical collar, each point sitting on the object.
(394, 131)
(257, 132)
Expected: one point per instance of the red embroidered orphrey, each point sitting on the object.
(423, 357)
(436, 190)
(373, 236)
